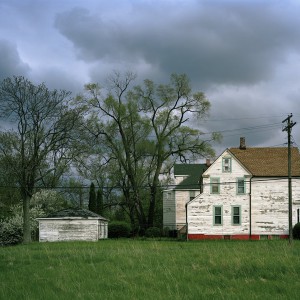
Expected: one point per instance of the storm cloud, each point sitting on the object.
(245, 55)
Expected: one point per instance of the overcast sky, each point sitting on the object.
(244, 55)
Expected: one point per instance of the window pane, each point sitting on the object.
(215, 186)
(217, 215)
(236, 220)
(215, 189)
(241, 186)
(236, 210)
(218, 210)
(218, 219)
(226, 164)
(236, 215)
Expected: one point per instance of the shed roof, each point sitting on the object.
(193, 173)
(74, 212)
(267, 161)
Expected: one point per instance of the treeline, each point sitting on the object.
(119, 134)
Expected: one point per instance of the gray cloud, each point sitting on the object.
(245, 55)
(221, 42)
(10, 62)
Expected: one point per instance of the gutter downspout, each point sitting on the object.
(186, 219)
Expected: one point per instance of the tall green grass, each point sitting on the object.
(135, 269)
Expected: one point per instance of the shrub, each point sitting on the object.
(153, 232)
(118, 229)
(296, 231)
(11, 231)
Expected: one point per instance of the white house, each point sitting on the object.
(245, 195)
(73, 224)
(188, 181)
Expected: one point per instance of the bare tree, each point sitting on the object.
(37, 147)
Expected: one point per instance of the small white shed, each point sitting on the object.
(72, 224)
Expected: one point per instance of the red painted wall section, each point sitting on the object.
(231, 237)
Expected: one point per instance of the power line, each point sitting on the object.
(258, 127)
(163, 186)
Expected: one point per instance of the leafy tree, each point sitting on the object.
(169, 107)
(74, 191)
(38, 146)
(92, 198)
(49, 201)
(142, 132)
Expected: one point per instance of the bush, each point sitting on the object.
(118, 229)
(296, 231)
(11, 231)
(153, 232)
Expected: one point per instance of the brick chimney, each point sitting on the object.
(208, 162)
(242, 143)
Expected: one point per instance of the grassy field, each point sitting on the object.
(136, 269)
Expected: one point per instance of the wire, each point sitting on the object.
(258, 127)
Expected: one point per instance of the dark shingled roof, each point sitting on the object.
(266, 162)
(194, 173)
(74, 212)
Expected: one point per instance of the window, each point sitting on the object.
(236, 215)
(240, 188)
(215, 185)
(226, 165)
(218, 215)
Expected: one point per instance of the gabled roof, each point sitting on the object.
(193, 173)
(268, 161)
(74, 212)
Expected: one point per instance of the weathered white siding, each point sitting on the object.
(182, 197)
(270, 205)
(200, 210)
(51, 230)
(169, 209)
(174, 214)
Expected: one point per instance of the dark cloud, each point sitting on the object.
(10, 62)
(245, 55)
(220, 42)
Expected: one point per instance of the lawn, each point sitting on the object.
(150, 269)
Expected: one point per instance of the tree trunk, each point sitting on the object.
(26, 220)
(151, 211)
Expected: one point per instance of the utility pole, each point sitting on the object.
(288, 128)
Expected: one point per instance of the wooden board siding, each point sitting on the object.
(200, 210)
(169, 209)
(68, 229)
(182, 197)
(200, 215)
(270, 205)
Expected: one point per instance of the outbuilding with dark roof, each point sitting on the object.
(72, 224)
